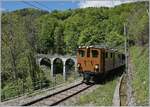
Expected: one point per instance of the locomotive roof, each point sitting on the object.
(100, 47)
(94, 46)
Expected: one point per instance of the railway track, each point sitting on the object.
(60, 96)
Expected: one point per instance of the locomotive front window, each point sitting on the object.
(81, 53)
(94, 53)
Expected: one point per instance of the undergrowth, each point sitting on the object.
(102, 96)
(139, 60)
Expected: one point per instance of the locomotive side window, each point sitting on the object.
(81, 53)
(106, 55)
(111, 55)
(119, 56)
(94, 53)
(123, 57)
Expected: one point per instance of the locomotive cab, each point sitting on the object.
(90, 61)
(98, 61)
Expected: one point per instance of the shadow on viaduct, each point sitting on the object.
(51, 59)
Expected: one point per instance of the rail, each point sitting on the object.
(59, 96)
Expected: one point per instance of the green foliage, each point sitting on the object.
(45, 30)
(12, 45)
(61, 15)
(91, 26)
(9, 90)
(18, 48)
(91, 35)
(29, 11)
(59, 39)
(114, 39)
(139, 58)
(16, 88)
(102, 96)
(27, 32)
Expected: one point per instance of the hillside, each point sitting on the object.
(29, 31)
(140, 78)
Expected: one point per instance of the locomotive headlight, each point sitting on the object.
(78, 65)
(96, 66)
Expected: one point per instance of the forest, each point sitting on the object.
(29, 31)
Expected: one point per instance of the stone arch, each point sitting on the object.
(45, 61)
(57, 65)
(69, 65)
(45, 65)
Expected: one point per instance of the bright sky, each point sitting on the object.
(49, 5)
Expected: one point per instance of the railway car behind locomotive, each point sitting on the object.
(98, 61)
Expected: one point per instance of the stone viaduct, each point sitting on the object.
(52, 58)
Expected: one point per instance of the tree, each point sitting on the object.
(138, 25)
(31, 40)
(12, 44)
(91, 36)
(45, 26)
(114, 39)
(59, 40)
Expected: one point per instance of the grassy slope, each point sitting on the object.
(139, 59)
(102, 96)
